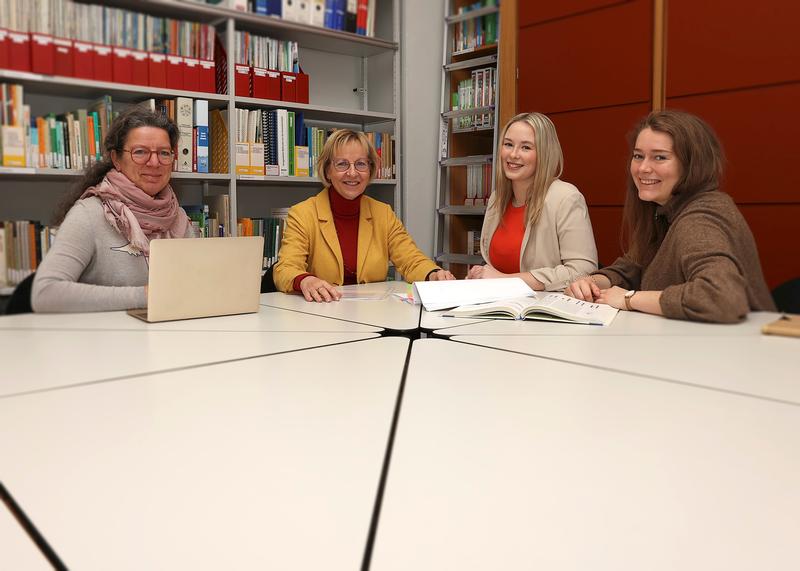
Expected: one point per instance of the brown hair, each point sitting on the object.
(132, 118)
(701, 160)
(338, 139)
(549, 165)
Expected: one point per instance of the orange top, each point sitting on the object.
(504, 251)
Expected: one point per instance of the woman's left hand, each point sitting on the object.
(489, 272)
(440, 275)
(613, 296)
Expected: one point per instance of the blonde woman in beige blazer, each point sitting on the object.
(536, 226)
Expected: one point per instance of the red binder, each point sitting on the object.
(241, 77)
(103, 64)
(3, 48)
(122, 65)
(208, 76)
(266, 83)
(83, 60)
(19, 51)
(139, 67)
(302, 87)
(43, 54)
(63, 62)
(288, 86)
(174, 72)
(157, 69)
(191, 74)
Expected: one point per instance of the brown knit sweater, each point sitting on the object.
(707, 267)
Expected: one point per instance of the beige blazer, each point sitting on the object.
(560, 247)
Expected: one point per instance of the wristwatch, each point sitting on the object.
(628, 297)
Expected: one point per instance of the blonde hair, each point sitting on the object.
(338, 139)
(549, 166)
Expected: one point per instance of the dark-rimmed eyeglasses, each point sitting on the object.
(141, 155)
(343, 166)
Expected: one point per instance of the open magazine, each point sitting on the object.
(546, 307)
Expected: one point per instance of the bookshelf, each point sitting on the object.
(354, 82)
(467, 134)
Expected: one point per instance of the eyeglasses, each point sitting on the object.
(141, 155)
(343, 166)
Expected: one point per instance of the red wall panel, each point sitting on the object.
(606, 224)
(776, 233)
(596, 150)
(595, 59)
(758, 129)
(535, 12)
(715, 45)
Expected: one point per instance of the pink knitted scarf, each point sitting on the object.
(135, 214)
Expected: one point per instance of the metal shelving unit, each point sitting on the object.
(461, 146)
(366, 113)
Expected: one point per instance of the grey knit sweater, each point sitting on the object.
(90, 267)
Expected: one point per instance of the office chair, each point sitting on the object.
(267, 282)
(20, 301)
(787, 296)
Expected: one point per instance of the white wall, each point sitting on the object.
(421, 63)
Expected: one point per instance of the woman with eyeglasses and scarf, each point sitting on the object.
(341, 237)
(98, 261)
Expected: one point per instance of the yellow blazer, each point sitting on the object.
(310, 245)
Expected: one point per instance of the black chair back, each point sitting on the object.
(267, 282)
(787, 296)
(20, 301)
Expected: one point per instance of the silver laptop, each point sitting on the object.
(202, 277)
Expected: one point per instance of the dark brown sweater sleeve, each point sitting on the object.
(622, 273)
(714, 288)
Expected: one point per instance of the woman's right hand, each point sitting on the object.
(584, 288)
(475, 273)
(315, 289)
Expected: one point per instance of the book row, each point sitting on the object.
(474, 242)
(354, 16)
(278, 142)
(22, 246)
(73, 140)
(266, 52)
(478, 90)
(479, 184)
(93, 23)
(474, 33)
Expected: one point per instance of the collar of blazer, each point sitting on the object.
(328, 228)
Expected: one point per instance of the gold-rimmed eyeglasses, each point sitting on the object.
(343, 165)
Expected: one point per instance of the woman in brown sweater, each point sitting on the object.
(690, 254)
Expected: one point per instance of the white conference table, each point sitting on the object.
(34, 360)
(515, 462)
(17, 550)
(267, 463)
(266, 319)
(626, 323)
(765, 366)
(389, 312)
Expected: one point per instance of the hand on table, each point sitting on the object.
(440, 275)
(315, 289)
(613, 296)
(484, 273)
(584, 288)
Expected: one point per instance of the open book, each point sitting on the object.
(547, 307)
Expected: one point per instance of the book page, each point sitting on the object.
(575, 309)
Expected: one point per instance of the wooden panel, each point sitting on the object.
(713, 46)
(507, 66)
(606, 224)
(592, 60)
(775, 231)
(537, 12)
(758, 129)
(596, 150)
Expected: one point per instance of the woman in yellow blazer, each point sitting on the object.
(340, 236)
